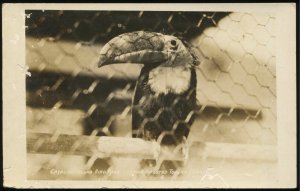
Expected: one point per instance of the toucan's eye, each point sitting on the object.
(173, 42)
(174, 45)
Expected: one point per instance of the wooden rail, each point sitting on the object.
(43, 143)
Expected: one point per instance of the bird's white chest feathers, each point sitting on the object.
(169, 79)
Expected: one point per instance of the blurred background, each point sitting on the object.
(67, 94)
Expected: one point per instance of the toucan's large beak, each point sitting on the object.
(136, 47)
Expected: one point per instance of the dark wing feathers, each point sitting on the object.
(153, 114)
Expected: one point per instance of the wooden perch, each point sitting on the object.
(43, 143)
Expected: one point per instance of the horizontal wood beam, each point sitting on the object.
(44, 143)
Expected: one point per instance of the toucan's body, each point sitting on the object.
(164, 116)
(165, 93)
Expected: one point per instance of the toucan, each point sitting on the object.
(163, 106)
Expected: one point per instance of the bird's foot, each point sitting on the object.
(156, 150)
(185, 150)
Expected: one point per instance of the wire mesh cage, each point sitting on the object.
(79, 123)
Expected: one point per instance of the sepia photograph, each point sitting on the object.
(139, 95)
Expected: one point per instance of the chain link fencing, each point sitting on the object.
(71, 103)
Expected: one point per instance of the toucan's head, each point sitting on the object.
(148, 48)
